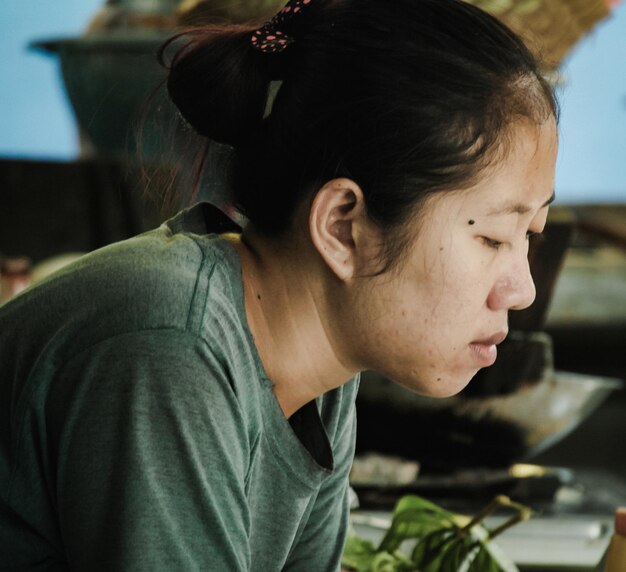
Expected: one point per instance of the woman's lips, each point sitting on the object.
(485, 350)
(486, 354)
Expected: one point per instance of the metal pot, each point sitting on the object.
(109, 79)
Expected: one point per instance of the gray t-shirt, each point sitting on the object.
(138, 430)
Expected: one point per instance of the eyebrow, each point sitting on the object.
(518, 208)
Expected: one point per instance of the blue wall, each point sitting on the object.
(35, 116)
(36, 121)
(592, 157)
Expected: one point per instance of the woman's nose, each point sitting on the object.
(515, 290)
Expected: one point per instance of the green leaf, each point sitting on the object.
(414, 517)
(358, 554)
(385, 562)
(411, 524)
(429, 550)
(405, 564)
(413, 502)
(480, 561)
(456, 554)
(484, 561)
(504, 563)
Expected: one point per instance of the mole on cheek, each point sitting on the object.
(470, 222)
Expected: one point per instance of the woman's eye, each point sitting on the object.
(492, 243)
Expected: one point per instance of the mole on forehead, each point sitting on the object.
(517, 208)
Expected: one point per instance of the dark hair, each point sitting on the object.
(406, 97)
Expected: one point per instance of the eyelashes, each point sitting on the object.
(491, 243)
(497, 244)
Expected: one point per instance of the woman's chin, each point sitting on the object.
(438, 386)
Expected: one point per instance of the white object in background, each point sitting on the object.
(15, 276)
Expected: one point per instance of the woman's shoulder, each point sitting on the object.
(167, 278)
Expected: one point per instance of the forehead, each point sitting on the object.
(522, 180)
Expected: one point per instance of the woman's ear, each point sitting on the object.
(339, 226)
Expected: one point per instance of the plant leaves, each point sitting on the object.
(480, 561)
(429, 550)
(457, 553)
(483, 561)
(414, 517)
(358, 554)
(384, 562)
(505, 564)
(413, 502)
(410, 524)
(443, 545)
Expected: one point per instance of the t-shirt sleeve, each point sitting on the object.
(151, 455)
(321, 543)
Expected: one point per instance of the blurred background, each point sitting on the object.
(75, 78)
(36, 118)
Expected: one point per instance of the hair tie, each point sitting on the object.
(272, 38)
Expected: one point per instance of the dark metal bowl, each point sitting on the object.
(109, 80)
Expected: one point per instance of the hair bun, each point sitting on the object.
(219, 83)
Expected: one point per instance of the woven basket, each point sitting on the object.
(551, 28)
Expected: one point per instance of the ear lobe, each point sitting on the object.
(336, 216)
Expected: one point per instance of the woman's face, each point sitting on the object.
(433, 322)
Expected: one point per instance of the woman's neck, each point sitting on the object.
(286, 291)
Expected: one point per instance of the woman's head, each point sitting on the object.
(407, 98)
(436, 319)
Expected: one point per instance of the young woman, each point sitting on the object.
(184, 400)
